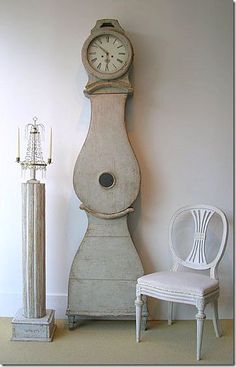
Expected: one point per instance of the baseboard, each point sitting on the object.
(10, 303)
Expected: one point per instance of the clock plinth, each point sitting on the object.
(103, 274)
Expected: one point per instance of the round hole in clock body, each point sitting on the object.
(107, 180)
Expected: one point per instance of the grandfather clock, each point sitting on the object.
(106, 179)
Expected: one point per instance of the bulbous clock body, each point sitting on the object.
(106, 179)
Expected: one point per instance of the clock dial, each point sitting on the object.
(107, 54)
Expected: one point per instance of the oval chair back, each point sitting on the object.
(196, 258)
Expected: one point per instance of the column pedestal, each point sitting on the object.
(33, 329)
(33, 322)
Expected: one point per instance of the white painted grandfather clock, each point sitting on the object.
(106, 179)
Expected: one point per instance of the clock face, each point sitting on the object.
(107, 55)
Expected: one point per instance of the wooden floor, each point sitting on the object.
(113, 342)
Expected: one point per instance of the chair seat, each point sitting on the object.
(180, 282)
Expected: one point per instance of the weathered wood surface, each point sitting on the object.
(104, 271)
(33, 322)
(33, 329)
(105, 268)
(33, 247)
(107, 149)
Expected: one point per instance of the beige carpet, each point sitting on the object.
(113, 342)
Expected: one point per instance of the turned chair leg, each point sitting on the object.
(200, 316)
(139, 305)
(170, 312)
(215, 319)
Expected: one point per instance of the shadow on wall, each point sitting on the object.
(77, 221)
(139, 128)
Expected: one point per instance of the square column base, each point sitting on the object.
(38, 329)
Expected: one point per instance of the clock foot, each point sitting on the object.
(72, 322)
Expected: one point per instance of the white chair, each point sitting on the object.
(183, 286)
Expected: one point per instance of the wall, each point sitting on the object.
(179, 123)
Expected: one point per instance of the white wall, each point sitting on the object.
(179, 122)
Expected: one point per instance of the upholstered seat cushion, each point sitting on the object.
(180, 282)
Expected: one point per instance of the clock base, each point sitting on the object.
(73, 320)
(102, 282)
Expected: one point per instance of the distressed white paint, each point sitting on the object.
(33, 322)
(104, 271)
(106, 266)
(33, 329)
(107, 149)
(179, 122)
(33, 247)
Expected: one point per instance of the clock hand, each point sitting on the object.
(103, 49)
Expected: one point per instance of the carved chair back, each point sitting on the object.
(196, 258)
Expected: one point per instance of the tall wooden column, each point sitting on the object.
(33, 243)
(33, 322)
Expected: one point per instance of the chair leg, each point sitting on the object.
(200, 316)
(139, 305)
(215, 319)
(170, 312)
